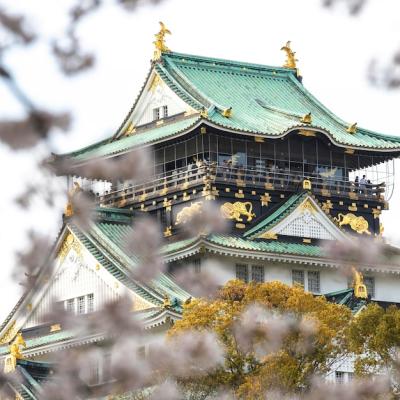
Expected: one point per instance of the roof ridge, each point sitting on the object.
(222, 61)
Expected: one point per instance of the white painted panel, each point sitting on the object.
(78, 275)
(156, 97)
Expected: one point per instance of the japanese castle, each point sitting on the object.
(287, 175)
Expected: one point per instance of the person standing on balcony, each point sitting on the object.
(356, 184)
(363, 184)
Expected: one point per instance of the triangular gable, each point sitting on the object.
(156, 94)
(86, 264)
(74, 273)
(300, 216)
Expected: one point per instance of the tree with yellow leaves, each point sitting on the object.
(275, 337)
(374, 337)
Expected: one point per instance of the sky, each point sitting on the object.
(333, 48)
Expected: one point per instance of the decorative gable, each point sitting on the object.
(77, 280)
(156, 102)
(306, 220)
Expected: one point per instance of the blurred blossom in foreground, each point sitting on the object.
(358, 250)
(29, 261)
(204, 283)
(188, 354)
(134, 165)
(144, 243)
(262, 331)
(168, 390)
(28, 132)
(354, 6)
(206, 221)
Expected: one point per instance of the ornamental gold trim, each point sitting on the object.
(236, 210)
(357, 223)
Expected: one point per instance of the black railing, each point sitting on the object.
(269, 179)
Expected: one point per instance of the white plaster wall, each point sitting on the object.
(224, 268)
(161, 96)
(76, 276)
(387, 286)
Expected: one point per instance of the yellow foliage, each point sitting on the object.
(287, 368)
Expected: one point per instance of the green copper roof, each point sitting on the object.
(270, 246)
(151, 134)
(265, 100)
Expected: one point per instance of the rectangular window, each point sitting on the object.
(156, 114)
(165, 111)
(350, 376)
(369, 282)
(90, 303)
(314, 282)
(257, 273)
(242, 272)
(298, 277)
(339, 377)
(197, 265)
(106, 368)
(70, 305)
(81, 305)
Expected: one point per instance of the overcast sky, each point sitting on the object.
(334, 50)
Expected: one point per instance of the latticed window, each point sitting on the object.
(369, 282)
(165, 111)
(314, 282)
(339, 377)
(298, 277)
(90, 303)
(242, 272)
(197, 265)
(156, 114)
(81, 305)
(70, 305)
(257, 273)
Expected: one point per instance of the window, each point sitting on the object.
(70, 305)
(313, 282)
(350, 376)
(165, 111)
(242, 272)
(369, 282)
(90, 303)
(257, 273)
(339, 377)
(197, 265)
(298, 277)
(81, 305)
(156, 114)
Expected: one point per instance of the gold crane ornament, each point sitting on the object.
(69, 208)
(159, 43)
(352, 128)
(291, 59)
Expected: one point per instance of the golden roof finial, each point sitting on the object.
(159, 43)
(69, 209)
(306, 118)
(352, 128)
(360, 290)
(166, 302)
(290, 56)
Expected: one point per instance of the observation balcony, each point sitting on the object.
(269, 179)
